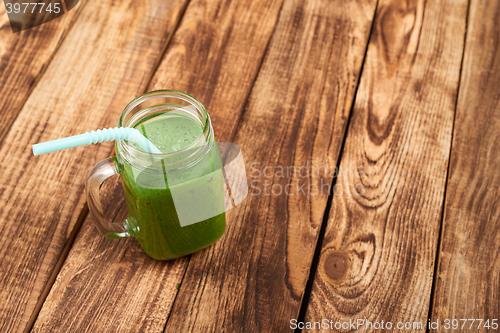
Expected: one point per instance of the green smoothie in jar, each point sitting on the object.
(175, 212)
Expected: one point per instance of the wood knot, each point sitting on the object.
(336, 265)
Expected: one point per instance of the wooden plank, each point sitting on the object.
(112, 285)
(24, 57)
(254, 278)
(216, 54)
(378, 253)
(468, 275)
(107, 59)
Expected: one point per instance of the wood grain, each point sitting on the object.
(24, 57)
(377, 257)
(112, 285)
(107, 59)
(468, 275)
(253, 279)
(216, 54)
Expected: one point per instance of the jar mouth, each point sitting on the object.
(161, 101)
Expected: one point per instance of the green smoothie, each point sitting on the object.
(175, 213)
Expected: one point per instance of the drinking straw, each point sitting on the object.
(117, 133)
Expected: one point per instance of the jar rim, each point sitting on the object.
(195, 151)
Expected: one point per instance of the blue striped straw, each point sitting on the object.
(117, 133)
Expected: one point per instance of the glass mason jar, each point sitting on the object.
(175, 199)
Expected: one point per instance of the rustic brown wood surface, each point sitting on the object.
(279, 78)
(378, 253)
(253, 279)
(23, 58)
(112, 285)
(468, 275)
(215, 55)
(107, 58)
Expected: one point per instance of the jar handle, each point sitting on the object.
(99, 173)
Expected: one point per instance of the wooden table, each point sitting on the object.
(390, 109)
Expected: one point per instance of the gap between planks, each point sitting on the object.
(57, 268)
(441, 229)
(42, 70)
(235, 131)
(317, 251)
(83, 214)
